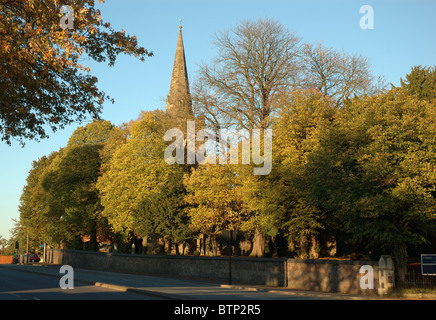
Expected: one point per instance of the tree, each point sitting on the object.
(215, 199)
(72, 184)
(338, 75)
(137, 183)
(40, 211)
(263, 217)
(304, 114)
(161, 214)
(281, 199)
(421, 81)
(125, 176)
(42, 83)
(60, 202)
(96, 133)
(375, 169)
(72, 181)
(256, 61)
(117, 138)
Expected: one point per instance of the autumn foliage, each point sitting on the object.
(42, 81)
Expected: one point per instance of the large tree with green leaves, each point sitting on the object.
(73, 177)
(40, 211)
(60, 202)
(72, 183)
(215, 200)
(303, 115)
(375, 168)
(140, 192)
(281, 201)
(42, 81)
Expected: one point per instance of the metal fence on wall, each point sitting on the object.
(414, 279)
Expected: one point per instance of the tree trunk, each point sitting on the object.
(258, 244)
(168, 243)
(161, 246)
(151, 244)
(176, 247)
(214, 244)
(400, 256)
(93, 244)
(202, 246)
(304, 246)
(144, 245)
(314, 249)
(272, 246)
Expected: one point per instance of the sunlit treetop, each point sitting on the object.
(42, 81)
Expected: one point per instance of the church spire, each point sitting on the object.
(179, 102)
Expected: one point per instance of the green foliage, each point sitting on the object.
(60, 202)
(72, 184)
(421, 81)
(376, 169)
(162, 214)
(39, 210)
(140, 192)
(295, 212)
(214, 198)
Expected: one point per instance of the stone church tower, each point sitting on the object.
(179, 103)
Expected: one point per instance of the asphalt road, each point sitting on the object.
(169, 298)
(164, 298)
(43, 283)
(21, 285)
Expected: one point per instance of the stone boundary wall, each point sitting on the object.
(340, 276)
(303, 274)
(244, 270)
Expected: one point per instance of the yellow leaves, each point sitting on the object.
(80, 50)
(4, 46)
(83, 68)
(27, 27)
(97, 15)
(137, 170)
(82, 11)
(33, 42)
(215, 195)
(80, 39)
(92, 30)
(46, 55)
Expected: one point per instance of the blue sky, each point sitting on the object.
(404, 35)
